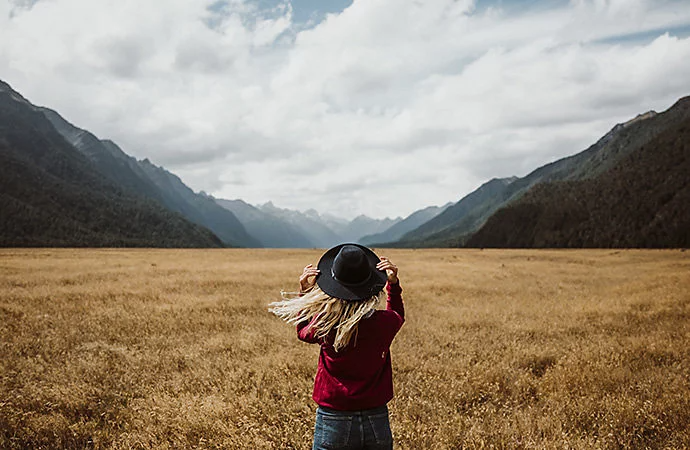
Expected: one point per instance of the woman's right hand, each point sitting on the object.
(308, 278)
(390, 268)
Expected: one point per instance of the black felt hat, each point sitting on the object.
(348, 272)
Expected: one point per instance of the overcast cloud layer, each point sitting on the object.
(383, 108)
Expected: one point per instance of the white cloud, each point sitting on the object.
(387, 107)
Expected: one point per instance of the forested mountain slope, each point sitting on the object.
(458, 223)
(146, 179)
(53, 195)
(641, 201)
(198, 207)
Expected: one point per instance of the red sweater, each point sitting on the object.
(359, 376)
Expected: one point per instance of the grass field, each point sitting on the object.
(501, 349)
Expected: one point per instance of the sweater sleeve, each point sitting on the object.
(395, 301)
(306, 333)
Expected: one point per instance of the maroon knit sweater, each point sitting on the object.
(360, 375)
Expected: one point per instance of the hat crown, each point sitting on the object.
(348, 272)
(351, 266)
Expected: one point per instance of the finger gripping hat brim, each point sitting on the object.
(364, 287)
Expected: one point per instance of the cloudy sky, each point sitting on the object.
(378, 107)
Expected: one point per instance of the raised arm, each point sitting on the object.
(306, 283)
(395, 301)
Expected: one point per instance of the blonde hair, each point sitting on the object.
(333, 313)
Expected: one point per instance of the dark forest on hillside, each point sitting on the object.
(51, 195)
(641, 202)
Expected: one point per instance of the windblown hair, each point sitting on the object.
(331, 313)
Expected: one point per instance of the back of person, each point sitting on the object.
(336, 308)
(366, 357)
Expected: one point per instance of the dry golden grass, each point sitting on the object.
(501, 349)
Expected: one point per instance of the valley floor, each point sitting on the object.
(501, 349)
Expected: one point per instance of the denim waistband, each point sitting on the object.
(362, 412)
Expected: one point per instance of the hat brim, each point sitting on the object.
(328, 284)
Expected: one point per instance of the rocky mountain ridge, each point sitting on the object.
(459, 222)
(61, 185)
(641, 201)
(146, 179)
(51, 194)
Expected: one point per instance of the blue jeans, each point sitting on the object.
(367, 429)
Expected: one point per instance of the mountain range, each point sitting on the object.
(285, 228)
(575, 202)
(632, 191)
(407, 225)
(270, 230)
(60, 185)
(51, 194)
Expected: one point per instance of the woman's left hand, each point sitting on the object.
(390, 268)
(308, 278)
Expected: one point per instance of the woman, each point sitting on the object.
(336, 308)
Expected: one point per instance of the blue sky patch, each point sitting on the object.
(680, 31)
